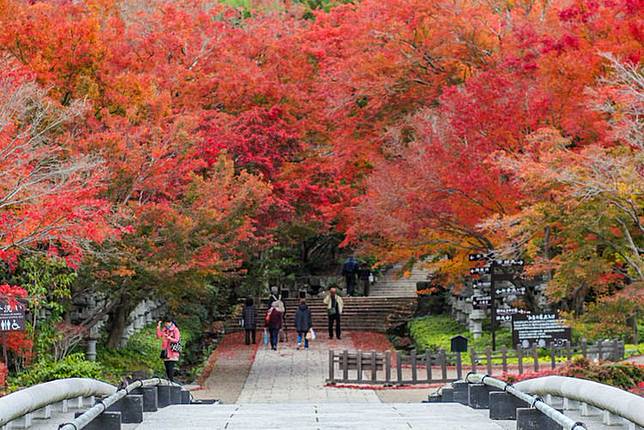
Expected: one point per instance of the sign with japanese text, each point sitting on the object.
(540, 330)
(12, 315)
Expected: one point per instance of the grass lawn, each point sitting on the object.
(435, 332)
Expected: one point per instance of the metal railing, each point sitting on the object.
(535, 402)
(88, 416)
(32, 399)
(608, 399)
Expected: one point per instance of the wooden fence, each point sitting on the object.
(389, 368)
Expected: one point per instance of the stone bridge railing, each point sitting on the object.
(100, 405)
(547, 402)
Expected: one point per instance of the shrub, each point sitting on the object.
(72, 366)
(622, 375)
(435, 332)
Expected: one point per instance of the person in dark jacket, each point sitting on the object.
(364, 275)
(250, 321)
(274, 323)
(303, 323)
(349, 271)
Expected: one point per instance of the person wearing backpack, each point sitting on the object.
(170, 336)
(273, 322)
(250, 321)
(334, 307)
(303, 323)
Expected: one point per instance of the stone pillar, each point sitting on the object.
(476, 317)
(131, 409)
(90, 353)
(534, 419)
(105, 421)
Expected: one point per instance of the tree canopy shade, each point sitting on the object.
(157, 143)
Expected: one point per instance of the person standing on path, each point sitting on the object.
(168, 331)
(250, 321)
(303, 323)
(349, 271)
(274, 324)
(334, 307)
(364, 275)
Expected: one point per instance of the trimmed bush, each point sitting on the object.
(72, 366)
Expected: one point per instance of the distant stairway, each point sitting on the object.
(360, 313)
(393, 284)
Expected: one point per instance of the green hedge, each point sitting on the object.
(436, 331)
(72, 366)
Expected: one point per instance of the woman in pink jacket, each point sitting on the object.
(170, 348)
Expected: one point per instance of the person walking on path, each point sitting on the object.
(250, 321)
(349, 271)
(274, 324)
(364, 275)
(170, 337)
(334, 307)
(303, 323)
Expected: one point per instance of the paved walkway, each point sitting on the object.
(292, 376)
(229, 366)
(321, 416)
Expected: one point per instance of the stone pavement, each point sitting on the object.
(231, 363)
(292, 376)
(320, 416)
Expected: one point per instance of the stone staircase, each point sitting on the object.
(393, 284)
(360, 313)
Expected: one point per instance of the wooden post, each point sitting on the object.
(600, 350)
(374, 367)
(428, 363)
(459, 366)
(414, 369)
(617, 350)
(399, 367)
(473, 360)
(443, 363)
(504, 357)
(388, 367)
(535, 358)
(345, 366)
(553, 358)
(584, 348)
(520, 358)
(331, 366)
(488, 356)
(568, 352)
(359, 365)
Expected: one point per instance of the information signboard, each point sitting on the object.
(539, 330)
(481, 302)
(12, 315)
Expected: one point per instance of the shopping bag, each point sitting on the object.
(310, 335)
(266, 337)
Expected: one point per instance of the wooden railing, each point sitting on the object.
(396, 368)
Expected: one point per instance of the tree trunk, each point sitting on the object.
(546, 251)
(118, 319)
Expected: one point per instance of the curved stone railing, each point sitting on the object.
(88, 416)
(610, 400)
(533, 402)
(24, 402)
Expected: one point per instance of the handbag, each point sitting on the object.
(265, 337)
(310, 335)
(175, 347)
